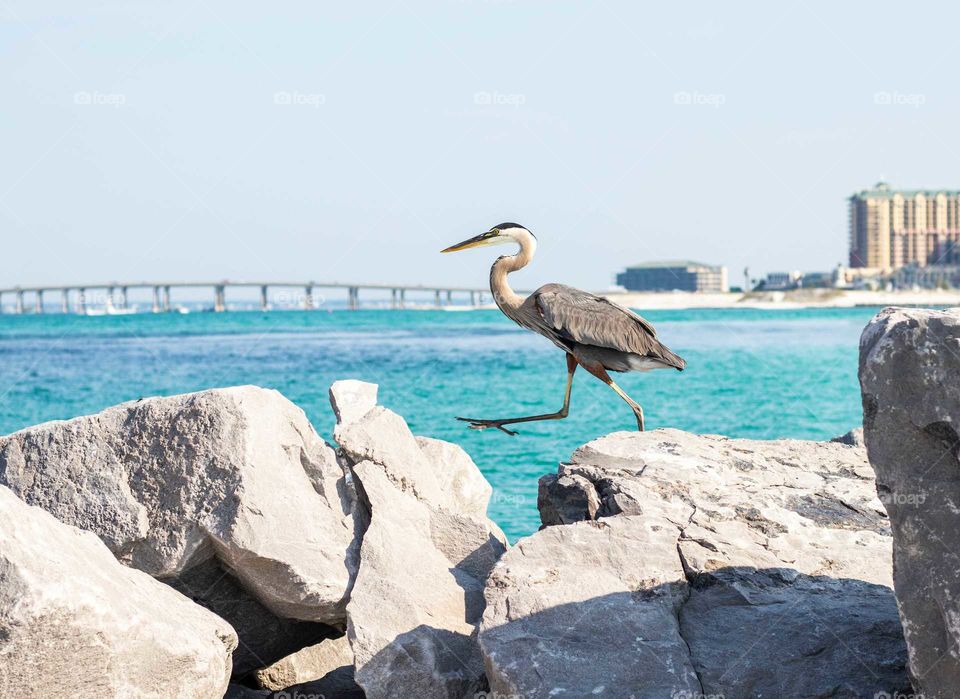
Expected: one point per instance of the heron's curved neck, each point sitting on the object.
(504, 296)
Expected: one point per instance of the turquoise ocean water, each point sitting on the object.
(750, 373)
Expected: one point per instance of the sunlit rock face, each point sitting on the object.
(426, 553)
(72, 616)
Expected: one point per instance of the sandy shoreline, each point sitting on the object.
(770, 300)
(800, 298)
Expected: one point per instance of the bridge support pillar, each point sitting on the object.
(403, 298)
(166, 299)
(19, 302)
(38, 303)
(473, 298)
(219, 298)
(155, 308)
(264, 303)
(1, 303)
(82, 301)
(308, 298)
(393, 299)
(65, 301)
(449, 297)
(436, 298)
(124, 297)
(353, 298)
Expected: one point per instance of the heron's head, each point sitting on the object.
(501, 234)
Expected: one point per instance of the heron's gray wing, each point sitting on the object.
(593, 320)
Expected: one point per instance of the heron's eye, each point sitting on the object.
(492, 233)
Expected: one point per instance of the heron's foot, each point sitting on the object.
(478, 424)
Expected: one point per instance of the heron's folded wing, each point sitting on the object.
(592, 320)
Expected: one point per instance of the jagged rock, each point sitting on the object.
(464, 487)
(909, 369)
(383, 437)
(425, 555)
(785, 542)
(412, 613)
(853, 438)
(308, 664)
(352, 399)
(237, 475)
(73, 619)
(589, 609)
(566, 499)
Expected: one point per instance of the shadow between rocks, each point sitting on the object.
(264, 638)
(777, 632)
(736, 632)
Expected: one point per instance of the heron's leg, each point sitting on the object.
(478, 424)
(601, 373)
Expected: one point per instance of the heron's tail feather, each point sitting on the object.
(671, 358)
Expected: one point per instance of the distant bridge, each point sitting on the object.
(115, 295)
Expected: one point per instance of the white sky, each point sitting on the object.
(145, 140)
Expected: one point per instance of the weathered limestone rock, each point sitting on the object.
(308, 664)
(784, 547)
(235, 478)
(412, 613)
(910, 379)
(73, 619)
(589, 609)
(352, 399)
(853, 438)
(465, 489)
(425, 555)
(566, 499)
(383, 437)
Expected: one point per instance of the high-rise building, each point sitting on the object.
(678, 275)
(891, 228)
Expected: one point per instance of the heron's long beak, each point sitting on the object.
(475, 241)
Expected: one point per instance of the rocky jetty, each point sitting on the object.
(676, 564)
(231, 498)
(910, 380)
(669, 564)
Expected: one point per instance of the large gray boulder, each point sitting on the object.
(232, 479)
(910, 381)
(426, 553)
(332, 657)
(589, 609)
(74, 621)
(770, 561)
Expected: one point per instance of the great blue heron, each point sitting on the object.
(595, 333)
